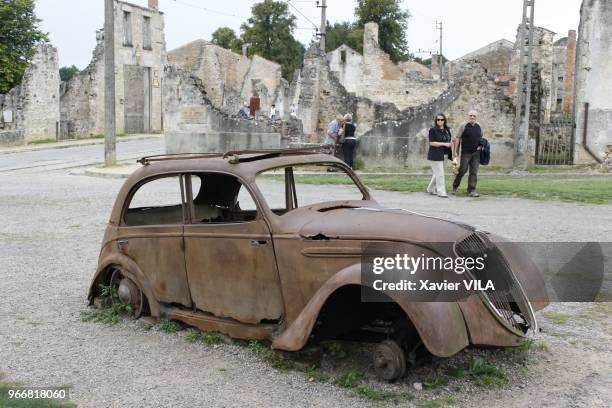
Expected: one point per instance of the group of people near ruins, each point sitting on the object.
(464, 151)
(341, 135)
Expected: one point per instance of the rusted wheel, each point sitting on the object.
(389, 360)
(126, 294)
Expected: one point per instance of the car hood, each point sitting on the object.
(379, 223)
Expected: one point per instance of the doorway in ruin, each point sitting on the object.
(553, 132)
(137, 98)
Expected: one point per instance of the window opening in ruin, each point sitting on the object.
(560, 79)
(146, 33)
(343, 56)
(127, 28)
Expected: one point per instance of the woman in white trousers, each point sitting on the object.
(439, 148)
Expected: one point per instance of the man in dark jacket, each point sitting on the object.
(467, 144)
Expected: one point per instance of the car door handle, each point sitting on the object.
(122, 242)
(258, 243)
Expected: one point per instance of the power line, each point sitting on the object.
(210, 10)
(302, 14)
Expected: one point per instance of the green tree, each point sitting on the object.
(392, 24)
(19, 34)
(66, 73)
(226, 37)
(343, 32)
(269, 33)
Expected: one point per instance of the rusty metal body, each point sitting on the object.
(269, 277)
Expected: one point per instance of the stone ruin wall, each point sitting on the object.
(230, 79)
(394, 135)
(194, 125)
(34, 104)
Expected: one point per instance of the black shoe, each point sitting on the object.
(454, 191)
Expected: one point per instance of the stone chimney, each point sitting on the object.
(568, 99)
(154, 4)
(371, 32)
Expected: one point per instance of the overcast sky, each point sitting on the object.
(468, 24)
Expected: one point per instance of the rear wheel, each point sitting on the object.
(126, 295)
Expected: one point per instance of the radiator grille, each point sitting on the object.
(508, 301)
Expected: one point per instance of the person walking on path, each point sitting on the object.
(467, 143)
(350, 141)
(439, 148)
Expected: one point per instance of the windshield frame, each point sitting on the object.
(290, 190)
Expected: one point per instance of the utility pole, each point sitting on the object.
(440, 59)
(521, 139)
(322, 31)
(110, 154)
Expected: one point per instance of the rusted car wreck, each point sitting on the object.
(225, 254)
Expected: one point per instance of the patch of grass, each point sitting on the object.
(431, 404)
(376, 395)
(556, 317)
(42, 141)
(169, 326)
(583, 189)
(598, 311)
(436, 381)
(272, 357)
(194, 336)
(316, 375)
(6, 402)
(108, 315)
(487, 375)
(349, 379)
(449, 400)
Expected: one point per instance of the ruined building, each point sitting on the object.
(140, 56)
(593, 102)
(393, 104)
(206, 85)
(30, 111)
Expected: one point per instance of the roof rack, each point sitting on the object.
(234, 156)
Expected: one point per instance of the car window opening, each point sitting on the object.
(221, 198)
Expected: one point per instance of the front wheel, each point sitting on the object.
(389, 360)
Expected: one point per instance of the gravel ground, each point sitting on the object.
(52, 224)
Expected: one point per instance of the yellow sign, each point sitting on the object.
(156, 83)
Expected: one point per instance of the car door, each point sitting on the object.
(229, 252)
(151, 233)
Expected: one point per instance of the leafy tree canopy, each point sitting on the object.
(66, 73)
(19, 34)
(392, 24)
(226, 37)
(343, 32)
(269, 33)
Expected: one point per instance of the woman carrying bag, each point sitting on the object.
(439, 148)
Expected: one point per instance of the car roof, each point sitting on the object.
(243, 164)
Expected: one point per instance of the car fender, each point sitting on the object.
(131, 270)
(440, 325)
